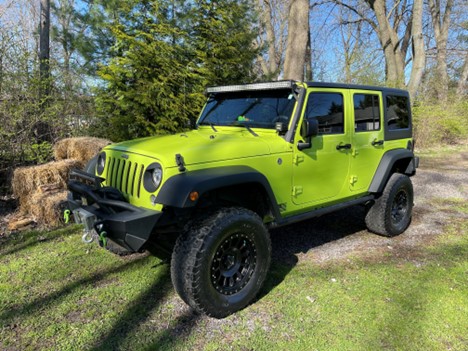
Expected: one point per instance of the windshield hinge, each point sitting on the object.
(298, 159)
(179, 159)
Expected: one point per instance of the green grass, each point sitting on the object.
(59, 294)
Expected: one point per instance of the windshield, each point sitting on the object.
(258, 109)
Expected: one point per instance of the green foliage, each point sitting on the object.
(223, 36)
(40, 152)
(164, 55)
(437, 123)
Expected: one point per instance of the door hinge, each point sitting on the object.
(353, 179)
(296, 190)
(298, 159)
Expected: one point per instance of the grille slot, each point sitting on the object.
(124, 175)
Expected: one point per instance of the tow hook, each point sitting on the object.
(87, 237)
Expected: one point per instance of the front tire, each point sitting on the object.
(220, 263)
(391, 213)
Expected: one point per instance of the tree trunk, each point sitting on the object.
(419, 55)
(271, 38)
(44, 49)
(389, 40)
(441, 24)
(297, 40)
(308, 59)
(272, 31)
(461, 90)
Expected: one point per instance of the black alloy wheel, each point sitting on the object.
(221, 261)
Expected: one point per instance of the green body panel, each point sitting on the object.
(365, 157)
(201, 149)
(301, 180)
(320, 173)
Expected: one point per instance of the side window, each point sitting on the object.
(397, 112)
(366, 112)
(327, 108)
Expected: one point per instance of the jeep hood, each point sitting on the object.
(198, 146)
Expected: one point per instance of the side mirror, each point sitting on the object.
(309, 129)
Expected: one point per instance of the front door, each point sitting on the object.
(320, 173)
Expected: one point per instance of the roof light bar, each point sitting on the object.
(285, 84)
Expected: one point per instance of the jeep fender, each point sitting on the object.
(406, 160)
(175, 192)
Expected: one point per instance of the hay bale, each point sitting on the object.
(82, 148)
(47, 208)
(27, 180)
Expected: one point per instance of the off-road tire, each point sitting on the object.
(220, 263)
(391, 213)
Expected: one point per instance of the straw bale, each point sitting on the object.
(28, 180)
(20, 224)
(47, 208)
(82, 148)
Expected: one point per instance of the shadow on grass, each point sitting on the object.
(301, 237)
(31, 239)
(137, 313)
(44, 302)
(287, 242)
(179, 331)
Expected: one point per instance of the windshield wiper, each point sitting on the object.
(210, 124)
(247, 127)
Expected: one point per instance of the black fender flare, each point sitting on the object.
(385, 167)
(175, 192)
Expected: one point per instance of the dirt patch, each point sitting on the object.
(441, 183)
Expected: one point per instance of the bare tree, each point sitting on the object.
(441, 25)
(462, 83)
(273, 34)
(298, 32)
(44, 46)
(418, 53)
(393, 27)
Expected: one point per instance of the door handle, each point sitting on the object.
(343, 146)
(376, 142)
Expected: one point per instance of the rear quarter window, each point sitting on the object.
(397, 109)
(397, 112)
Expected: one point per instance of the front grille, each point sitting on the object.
(124, 175)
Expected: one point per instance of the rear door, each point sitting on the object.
(367, 136)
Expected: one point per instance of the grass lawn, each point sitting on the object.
(57, 293)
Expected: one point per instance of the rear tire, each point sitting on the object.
(220, 263)
(391, 213)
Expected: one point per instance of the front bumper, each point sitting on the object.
(126, 225)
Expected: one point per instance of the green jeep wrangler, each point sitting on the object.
(262, 156)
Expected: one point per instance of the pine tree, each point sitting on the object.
(164, 54)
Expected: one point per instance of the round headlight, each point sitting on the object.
(152, 177)
(157, 177)
(101, 163)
